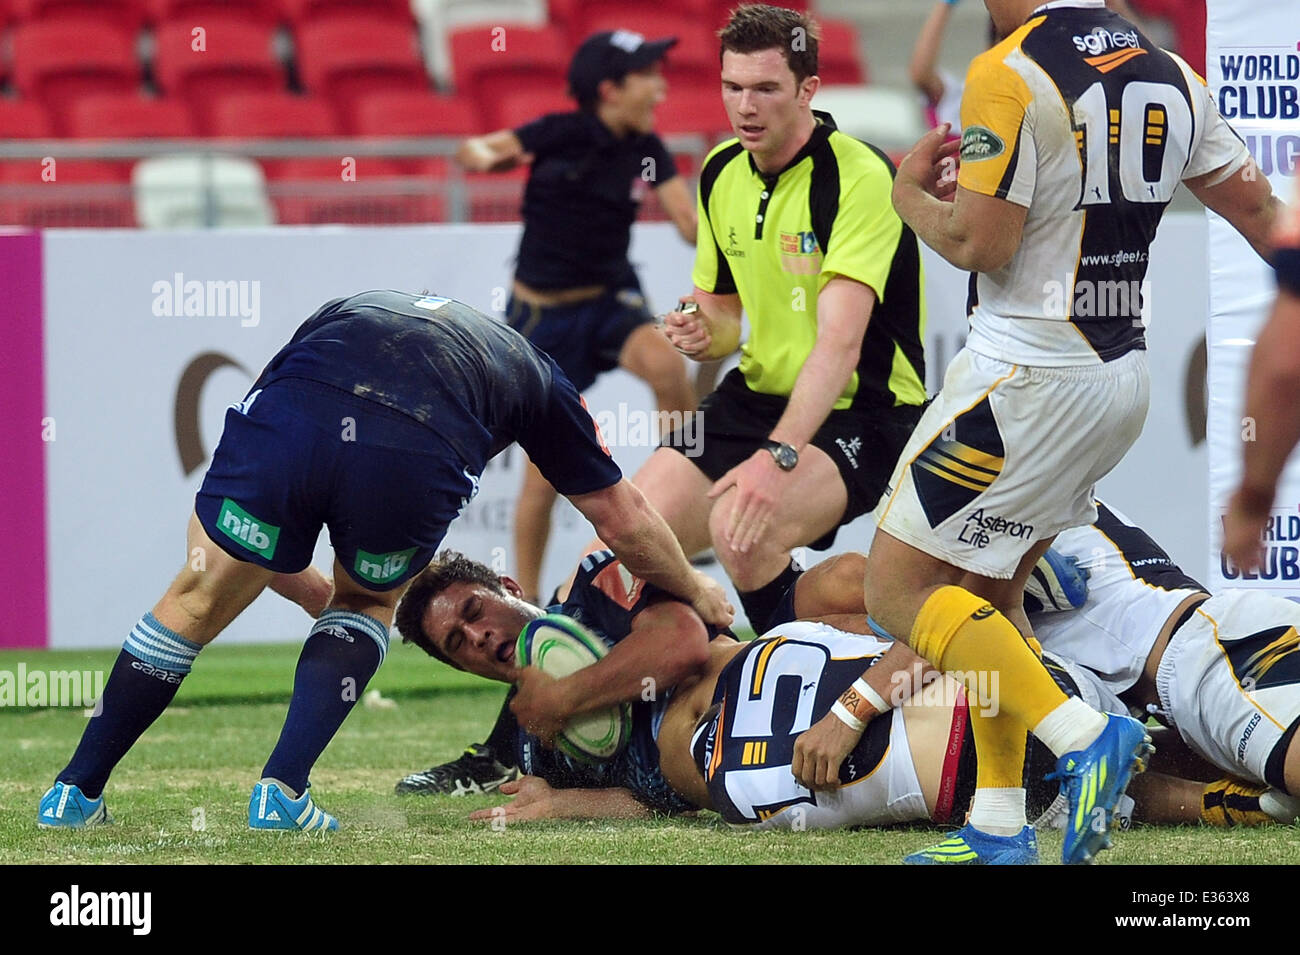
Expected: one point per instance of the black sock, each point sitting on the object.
(132, 699)
(337, 661)
(503, 740)
(145, 678)
(761, 605)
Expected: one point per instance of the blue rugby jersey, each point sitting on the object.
(606, 599)
(473, 380)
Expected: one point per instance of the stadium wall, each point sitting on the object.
(1254, 70)
(138, 342)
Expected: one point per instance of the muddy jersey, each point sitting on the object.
(475, 382)
(1080, 118)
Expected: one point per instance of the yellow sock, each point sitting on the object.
(1000, 746)
(960, 632)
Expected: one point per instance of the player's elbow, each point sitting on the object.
(619, 514)
(984, 254)
(687, 650)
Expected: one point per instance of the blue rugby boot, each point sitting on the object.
(970, 846)
(65, 806)
(271, 808)
(1094, 779)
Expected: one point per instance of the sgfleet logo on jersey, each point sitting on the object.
(1101, 41)
(246, 530)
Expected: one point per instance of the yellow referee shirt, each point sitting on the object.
(777, 239)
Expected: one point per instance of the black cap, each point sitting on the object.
(611, 55)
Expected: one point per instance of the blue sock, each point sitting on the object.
(340, 656)
(146, 676)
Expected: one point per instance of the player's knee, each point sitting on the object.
(748, 571)
(832, 586)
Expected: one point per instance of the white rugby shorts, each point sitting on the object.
(1229, 681)
(1007, 455)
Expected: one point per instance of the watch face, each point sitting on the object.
(786, 457)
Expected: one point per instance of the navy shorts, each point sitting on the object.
(298, 455)
(586, 338)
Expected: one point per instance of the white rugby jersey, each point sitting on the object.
(1084, 121)
(1133, 589)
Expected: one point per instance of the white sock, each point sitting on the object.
(284, 787)
(1280, 806)
(1071, 726)
(999, 812)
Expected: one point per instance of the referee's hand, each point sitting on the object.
(687, 332)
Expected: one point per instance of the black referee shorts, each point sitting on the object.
(864, 443)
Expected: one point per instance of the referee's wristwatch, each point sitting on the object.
(785, 455)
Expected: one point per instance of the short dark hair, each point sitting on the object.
(449, 567)
(754, 27)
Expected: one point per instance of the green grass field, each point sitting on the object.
(181, 794)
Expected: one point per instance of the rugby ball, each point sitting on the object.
(558, 646)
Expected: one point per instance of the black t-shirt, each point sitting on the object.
(581, 199)
(474, 381)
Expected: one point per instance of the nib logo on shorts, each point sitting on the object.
(237, 524)
(382, 568)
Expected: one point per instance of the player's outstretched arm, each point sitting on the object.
(1275, 414)
(496, 152)
(666, 645)
(537, 799)
(923, 70)
(309, 589)
(642, 540)
(1245, 198)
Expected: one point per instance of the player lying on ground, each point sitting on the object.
(1222, 670)
(375, 420)
(460, 612)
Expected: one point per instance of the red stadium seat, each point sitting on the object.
(524, 106)
(694, 60)
(343, 58)
(60, 61)
(81, 193)
(491, 62)
(271, 116)
(230, 56)
(309, 191)
(122, 14)
(408, 113)
(23, 119)
(405, 113)
(692, 110)
(268, 115)
(398, 11)
(708, 15)
(839, 54)
(264, 12)
(114, 116)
